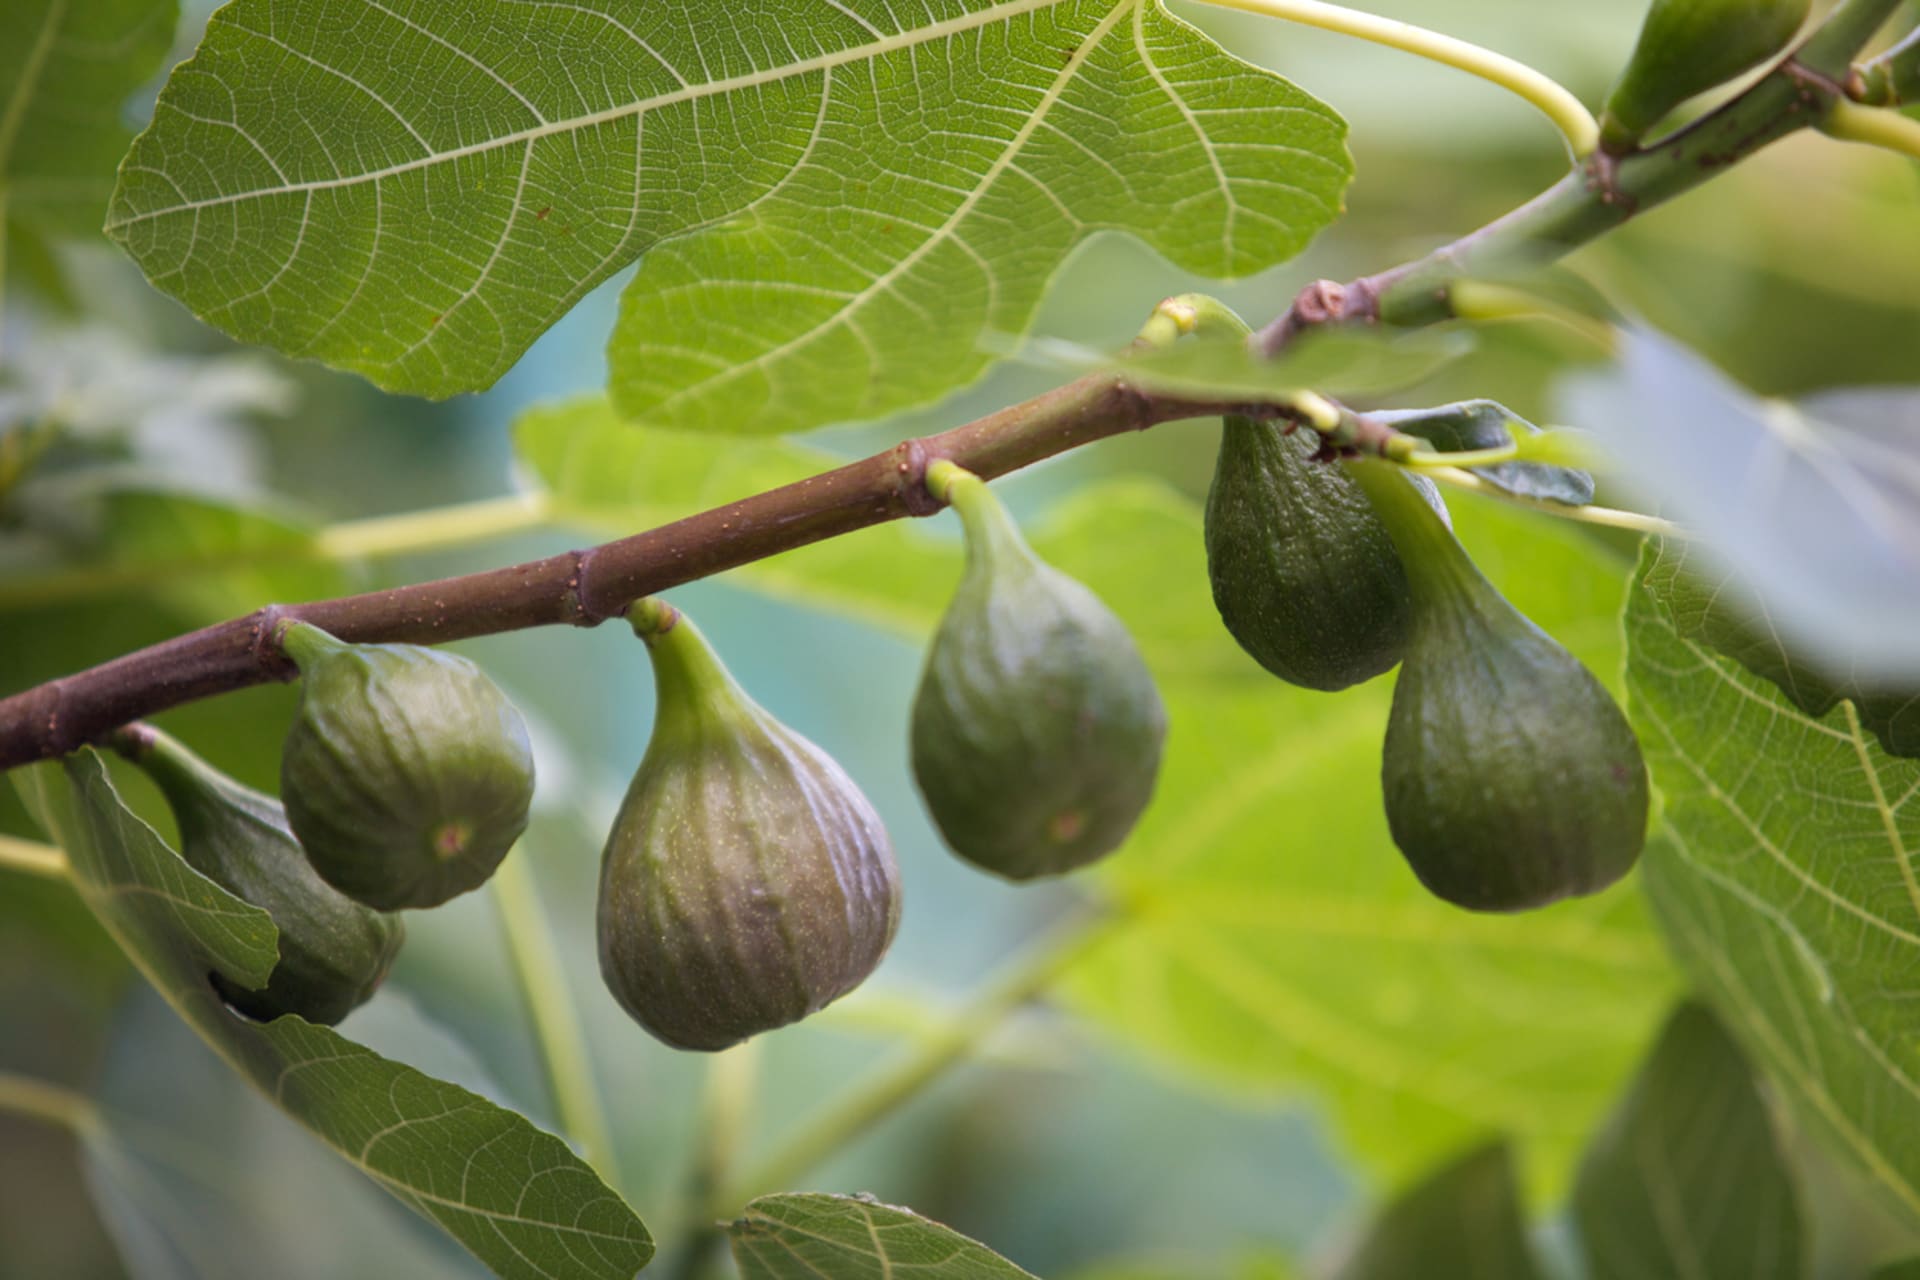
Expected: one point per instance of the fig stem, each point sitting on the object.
(652, 618)
(1553, 99)
(34, 859)
(1605, 517)
(992, 535)
(1421, 459)
(1874, 126)
(834, 1126)
(43, 1100)
(303, 643)
(1487, 303)
(941, 476)
(550, 1008)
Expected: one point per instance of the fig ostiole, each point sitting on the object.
(1037, 729)
(334, 952)
(1687, 47)
(1512, 778)
(1304, 573)
(746, 882)
(407, 774)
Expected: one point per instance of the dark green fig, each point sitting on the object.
(746, 882)
(1037, 728)
(1687, 47)
(1304, 573)
(334, 952)
(407, 774)
(1512, 778)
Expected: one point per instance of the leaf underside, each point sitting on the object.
(1785, 877)
(513, 1195)
(1686, 1182)
(804, 1237)
(415, 190)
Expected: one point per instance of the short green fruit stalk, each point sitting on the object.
(746, 882)
(1511, 776)
(1687, 47)
(1037, 729)
(407, 774)
(1304, 573)
(334, 952)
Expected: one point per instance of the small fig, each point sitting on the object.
(1687, 47)
(1036, 728)
(1304, 574)
(334, 952)
(746, 882)
(407, 774)
(1512, 778)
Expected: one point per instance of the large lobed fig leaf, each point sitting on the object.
(837, 199)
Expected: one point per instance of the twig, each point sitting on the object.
(1603, 194)
(1874, 126)
(583, 588)
(1568, 114)
(579, 588)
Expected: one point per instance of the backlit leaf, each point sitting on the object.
(515, 1196)
(859, 190)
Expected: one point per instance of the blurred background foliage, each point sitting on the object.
(1292, 1030)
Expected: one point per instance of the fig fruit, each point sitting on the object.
(1036, 728)
(1687, 47)
(1512, 778)
(1304, 574)
(334, 952)
(746, 882)
(407, 774)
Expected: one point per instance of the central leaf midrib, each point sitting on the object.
(940, 235)
(691, 93)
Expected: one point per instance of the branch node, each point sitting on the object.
(1815, 86)
(1602, 170)
(909, 461)
(1321, 303)
(578, 603)
(1140, 409)
(263, 640)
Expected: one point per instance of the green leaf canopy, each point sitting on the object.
(515, 1196)
(861, 189)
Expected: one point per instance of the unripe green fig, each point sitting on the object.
(1687, 47)
(1304, 574)
(334, 952)
(407, 775)
(747, 882)
(1036, 728)
(1512, 778)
